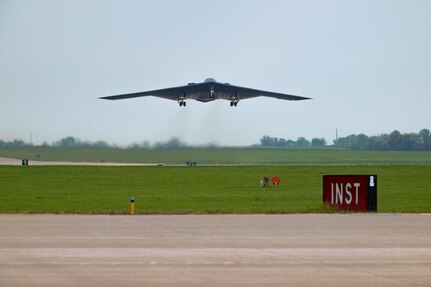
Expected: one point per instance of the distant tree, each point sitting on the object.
(301, 142)
(275, 142)
(266, 141)
(172, 143)
(18, 143)
(344, 141)
(282, 142)
(100, 144)
(426, 138)
(425, 133)
(362, 140)
(134, 146)
(412, 141)
(318, 142)
(377, 142)
(395, 140)
(67, 142)
(146, 144)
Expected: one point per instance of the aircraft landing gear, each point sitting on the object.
(182, 103)
(233, 103)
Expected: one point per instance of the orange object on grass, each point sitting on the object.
(275, 180)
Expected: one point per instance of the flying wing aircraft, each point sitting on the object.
(207, 91)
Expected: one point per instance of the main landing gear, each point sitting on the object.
(182, 103)
(233, 103)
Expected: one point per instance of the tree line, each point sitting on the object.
(64, 142)
(393, 141)
(268, 141)
(72, 142)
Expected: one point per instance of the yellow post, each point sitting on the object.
(132, 206)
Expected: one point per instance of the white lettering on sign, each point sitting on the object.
(344, 193)
(349, 194)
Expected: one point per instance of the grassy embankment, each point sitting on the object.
(246, 156)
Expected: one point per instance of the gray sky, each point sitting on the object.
(366, 64)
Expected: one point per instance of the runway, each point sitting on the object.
(14, 161)
(215, 250)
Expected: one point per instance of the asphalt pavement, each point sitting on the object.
(216, 250)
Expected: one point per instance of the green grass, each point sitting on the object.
(226, 189)
(247, 156)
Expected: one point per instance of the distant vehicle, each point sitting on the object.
(207, 91)
(191, 163)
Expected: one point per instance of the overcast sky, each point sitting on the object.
(366, 64)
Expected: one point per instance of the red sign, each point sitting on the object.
(351, 192)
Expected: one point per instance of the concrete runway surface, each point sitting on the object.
(215, 250)
(15, 161)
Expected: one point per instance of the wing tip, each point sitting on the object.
(107, 98)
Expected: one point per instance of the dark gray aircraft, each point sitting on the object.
(207, 91)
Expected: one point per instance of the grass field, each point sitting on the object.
(202, 189)
(246, 156)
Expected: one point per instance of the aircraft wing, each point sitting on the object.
(247, 93)
(169, 93)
